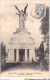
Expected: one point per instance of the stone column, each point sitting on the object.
(17, 55)
(34, 56)
(11, 55)
(26, 57)
(30, 55)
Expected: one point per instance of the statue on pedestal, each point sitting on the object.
(22, 16)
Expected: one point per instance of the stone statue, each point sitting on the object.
(22, 16)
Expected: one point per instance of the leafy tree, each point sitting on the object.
(45, 28)
(45, 31)
(3, 54)
(45, 23)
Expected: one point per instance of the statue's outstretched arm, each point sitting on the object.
(17, 8)
(17, 14)
(25, 9)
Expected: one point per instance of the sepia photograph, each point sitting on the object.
(24, 29)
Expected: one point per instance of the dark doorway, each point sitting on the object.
(15, 55)
(21, 55)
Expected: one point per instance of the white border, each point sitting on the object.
(0, 36)
(25, 78)
(49, 38)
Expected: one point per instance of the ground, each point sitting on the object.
(24, 69)
(15, 66)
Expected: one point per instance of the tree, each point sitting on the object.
(3, 54)
(45, 28)
(45, 23)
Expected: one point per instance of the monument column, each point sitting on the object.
(26, 57)
(11, 55)
(17, 55)
(32, 55)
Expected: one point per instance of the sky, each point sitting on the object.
(10, 21)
